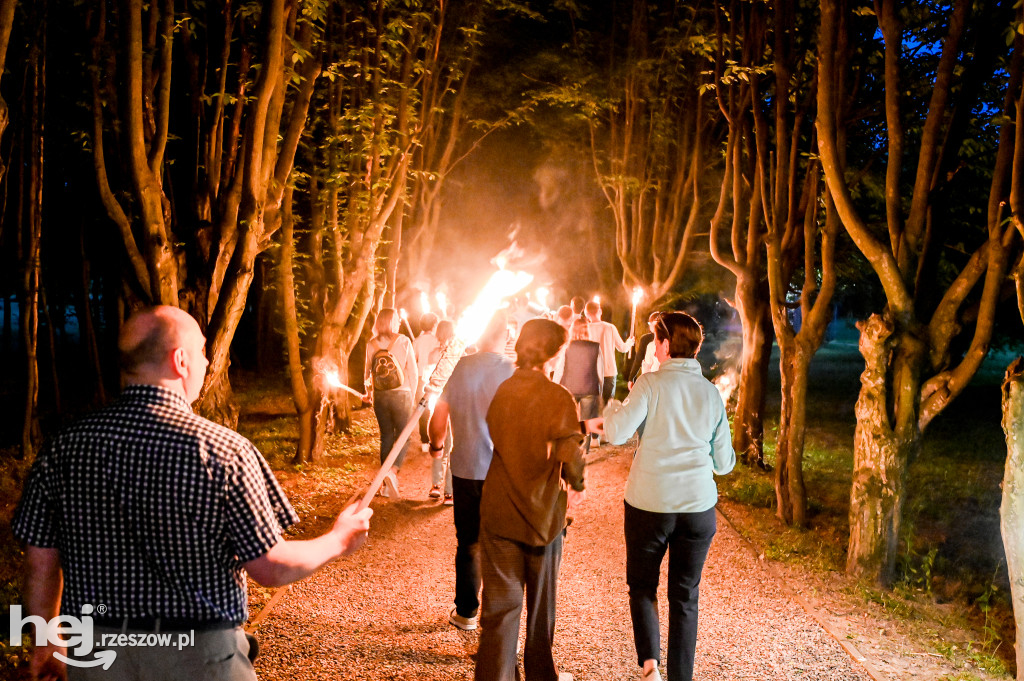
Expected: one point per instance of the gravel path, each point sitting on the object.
(382, 613)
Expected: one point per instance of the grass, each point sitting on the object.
(950, 544)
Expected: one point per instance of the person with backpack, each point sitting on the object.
(390, 378)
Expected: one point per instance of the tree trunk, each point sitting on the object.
(790, 493)
(290, 314)
(51, 346)
(32, 197)
(748, 422)
(219, 404)
(885, 441)
(87, 327)
(1011, 510)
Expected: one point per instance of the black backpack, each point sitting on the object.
(384, 370)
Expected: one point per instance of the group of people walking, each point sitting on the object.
(158, 514)
(512, 429)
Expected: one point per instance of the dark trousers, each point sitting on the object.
(392, 409)
(466, 507)
(508, 567)
(608, 388)
(687, 538)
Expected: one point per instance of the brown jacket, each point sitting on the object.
(537, 442)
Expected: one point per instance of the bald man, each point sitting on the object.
(143, 519)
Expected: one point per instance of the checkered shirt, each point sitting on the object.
(153, 509)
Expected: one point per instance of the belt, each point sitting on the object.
(163, 623)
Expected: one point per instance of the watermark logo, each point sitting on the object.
(78, 636)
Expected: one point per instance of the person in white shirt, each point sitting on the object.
(671, 492)
(607, 336)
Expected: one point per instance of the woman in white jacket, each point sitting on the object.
(671, 492)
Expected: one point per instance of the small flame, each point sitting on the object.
(331, 377)
(726, 384)
(542, 294)
(638, 295)
(424, 302)
(597, 299)
(442, 303)
(403, 314)
(501, 285)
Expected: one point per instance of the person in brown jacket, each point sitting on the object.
(536, 472)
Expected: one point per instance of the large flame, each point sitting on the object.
(424, 302)
(501, 285)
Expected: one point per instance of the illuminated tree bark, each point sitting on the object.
(246, 159)
(910, 375)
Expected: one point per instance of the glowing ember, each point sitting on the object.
(424, 302)
(726, 384)
(442, 303)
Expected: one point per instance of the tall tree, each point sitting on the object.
(800, 236)
(912, 371)
(243, 153)
(738, 224)
(30, 218)
(651, 138)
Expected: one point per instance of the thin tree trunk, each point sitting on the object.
(290, 314)
(86, 325)
(790, 493)
(748, 422)
(51, 345)
(1011, 509)
(32, 195)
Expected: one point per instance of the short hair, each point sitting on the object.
(593, 308)
(565, 313)
(445, 331)
(580, 330)
(539, 341)
(152, 348)
(382, 326)
(684, 334)
(428, 321)
(577, 304)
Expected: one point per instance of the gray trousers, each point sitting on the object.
(218, 655)
(508, 567)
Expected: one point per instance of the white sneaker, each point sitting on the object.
(653, 675)
(464, 623)
(391, 486)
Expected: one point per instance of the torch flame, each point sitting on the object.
(442, 303)
(331, 377)
(501, 285)
(424, 302)
(542, 296)
(404, 314)
(638, 295)
(597, 299)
